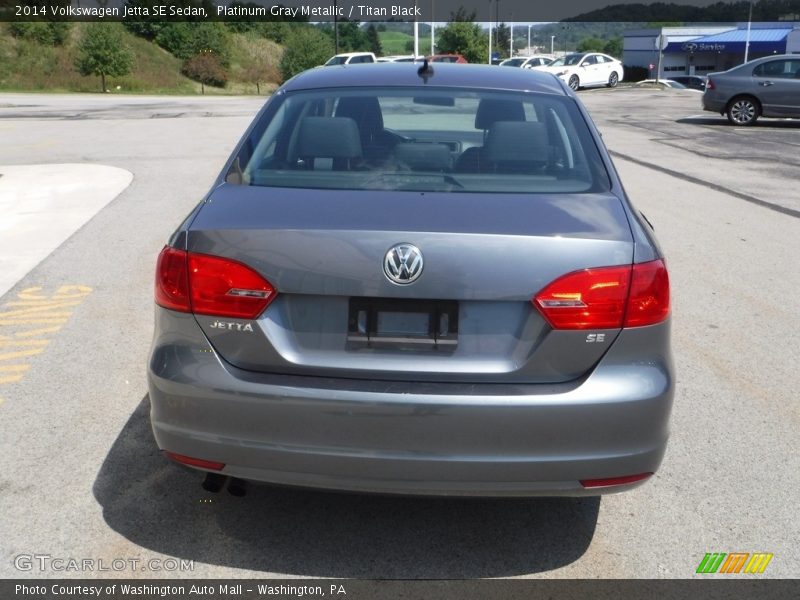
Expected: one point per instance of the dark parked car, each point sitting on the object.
(767, 87)
(693, 82)
(418, 279)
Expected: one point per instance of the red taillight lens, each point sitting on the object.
(649, 298)
(172, 280)
(210, 285)
(607, 297)
(588, 299)
(195, 462)
(709, 85)
(224, 287)
(611, 481)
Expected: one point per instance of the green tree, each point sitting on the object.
(51, 34)
(614, 47)
(101, 52)
(502, 40)
(374, 40)
(352, 38)
(188, 39)
(591, 44)
(463, 37)
(305, 47)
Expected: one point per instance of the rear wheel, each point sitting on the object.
(613, 79)
(574, 83)
(743, 110)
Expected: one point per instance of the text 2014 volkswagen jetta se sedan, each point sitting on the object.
(416, 279)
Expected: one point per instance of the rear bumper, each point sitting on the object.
(712, 104)
(412, 438)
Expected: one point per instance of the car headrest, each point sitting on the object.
(423, 157)
(328, 137)
(491, 110)
(364, 110)
(511, 141)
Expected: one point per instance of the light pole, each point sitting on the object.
(416, 32)
(552, 45)
(490, 31)
(747, 43)
(529, 40)
(336, 26)
(433, 25)
(511, 38)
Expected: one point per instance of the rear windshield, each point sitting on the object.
(422, 140)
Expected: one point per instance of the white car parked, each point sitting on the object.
(400, 58)
(527, 62)
(351, 58)
(586, 70)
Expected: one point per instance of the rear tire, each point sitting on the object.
(613, 79)
(574, 83)
(743, 111)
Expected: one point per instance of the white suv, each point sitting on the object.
(351, 58)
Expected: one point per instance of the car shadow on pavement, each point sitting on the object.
(760, 124)
(162, 507)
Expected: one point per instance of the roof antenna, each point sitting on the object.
(425, 71)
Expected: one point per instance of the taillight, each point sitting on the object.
(172, 280)
(607, 297)
(210, 285)
(227, 288)
(709, 85)
(649, 297)
(588, 299)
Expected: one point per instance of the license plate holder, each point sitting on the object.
(403, 323)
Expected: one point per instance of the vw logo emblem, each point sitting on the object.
(403, 264)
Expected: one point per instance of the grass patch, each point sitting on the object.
(28, 66)
(395, 42)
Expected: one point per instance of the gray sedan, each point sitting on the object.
(767, 87)
(416, 279)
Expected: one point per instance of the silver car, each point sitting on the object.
(767, 87)
(416, 279)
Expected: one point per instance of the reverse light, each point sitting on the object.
(607, 297)
(210, 285)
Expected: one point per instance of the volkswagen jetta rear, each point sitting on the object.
(416, 281)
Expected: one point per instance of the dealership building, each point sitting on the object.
(698, 50)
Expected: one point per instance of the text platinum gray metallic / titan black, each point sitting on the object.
(416, 279)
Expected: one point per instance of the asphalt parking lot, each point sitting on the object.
(82, 477)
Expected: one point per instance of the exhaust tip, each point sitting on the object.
(213, 482)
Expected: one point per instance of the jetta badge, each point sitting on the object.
(403, 264)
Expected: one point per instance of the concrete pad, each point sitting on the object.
(43, 205)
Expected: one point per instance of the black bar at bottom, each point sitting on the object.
(719, 588)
